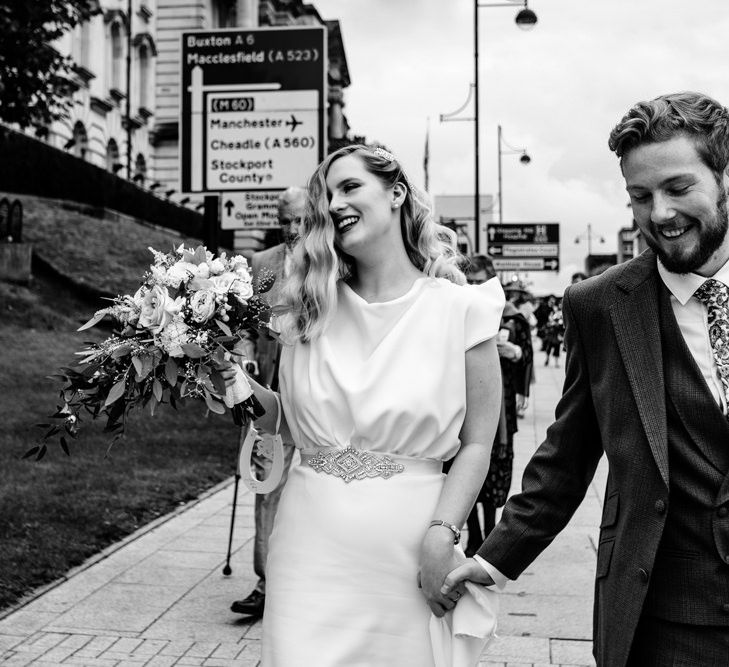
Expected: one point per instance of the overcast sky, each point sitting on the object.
(556, 90)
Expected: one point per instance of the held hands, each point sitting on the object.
(468, 570)
(438, 557)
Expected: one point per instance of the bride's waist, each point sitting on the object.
(350, 463)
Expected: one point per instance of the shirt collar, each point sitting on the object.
(683, 285)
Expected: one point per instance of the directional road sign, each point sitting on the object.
(524, 246)
(252, 108)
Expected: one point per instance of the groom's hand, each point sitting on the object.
(471, 570)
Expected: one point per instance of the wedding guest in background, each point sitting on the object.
(647, 385)
(265, 352)
(541, 313)
(375, 289)
(515, 356)
(554, 334)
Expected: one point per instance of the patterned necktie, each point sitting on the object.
(715, 296)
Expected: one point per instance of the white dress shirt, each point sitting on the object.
(693, 321)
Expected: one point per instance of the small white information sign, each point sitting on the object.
(250, 210)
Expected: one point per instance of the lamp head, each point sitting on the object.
(526, 19)
(525, 159)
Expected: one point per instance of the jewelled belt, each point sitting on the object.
(350, 463)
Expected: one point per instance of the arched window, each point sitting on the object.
(117, 56)
(140, 170)
(80, 140)
(112, 156)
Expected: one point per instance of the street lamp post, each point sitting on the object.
(510, 150)
(526, 19)
(589, 236)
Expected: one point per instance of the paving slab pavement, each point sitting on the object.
(160, 598)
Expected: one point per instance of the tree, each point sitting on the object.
(35, 84)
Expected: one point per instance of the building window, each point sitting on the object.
(225, 14)
(80, 48)
(117, 56)
(112, 156)
(79, 142)
(143, 55)
(140, 170)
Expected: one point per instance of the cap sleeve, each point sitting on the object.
(484, 307)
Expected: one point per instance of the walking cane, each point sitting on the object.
(227, 569)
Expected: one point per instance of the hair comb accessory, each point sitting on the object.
(381, 152)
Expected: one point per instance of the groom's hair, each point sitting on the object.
(694, 115)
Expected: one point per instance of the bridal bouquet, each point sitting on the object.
(171, 341)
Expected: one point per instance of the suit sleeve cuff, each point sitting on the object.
(499, 579)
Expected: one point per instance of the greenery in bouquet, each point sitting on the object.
(171, 340)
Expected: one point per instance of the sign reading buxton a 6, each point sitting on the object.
(252, 108)
(524, 246)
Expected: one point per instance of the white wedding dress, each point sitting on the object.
(389, 378)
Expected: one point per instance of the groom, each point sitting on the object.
(647, 383)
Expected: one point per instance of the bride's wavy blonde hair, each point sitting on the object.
(310, 293)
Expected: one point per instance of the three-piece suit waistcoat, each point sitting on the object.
(690, 578)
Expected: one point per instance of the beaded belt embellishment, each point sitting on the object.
(350, 463)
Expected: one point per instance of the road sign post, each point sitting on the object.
(524, 246)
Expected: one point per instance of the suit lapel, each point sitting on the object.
(636, 322)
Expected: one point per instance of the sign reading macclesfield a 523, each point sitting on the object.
(252, 108)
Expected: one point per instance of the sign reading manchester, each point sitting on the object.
(524, 247)
(252, 108)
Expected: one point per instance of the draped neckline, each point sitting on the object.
(412, 290)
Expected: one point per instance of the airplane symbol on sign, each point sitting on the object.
(293, 122)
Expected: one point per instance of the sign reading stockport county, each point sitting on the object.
(252, 108)
(524, 247)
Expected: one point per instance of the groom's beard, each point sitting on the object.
(711, 237)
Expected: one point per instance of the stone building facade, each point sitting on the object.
(115, 52)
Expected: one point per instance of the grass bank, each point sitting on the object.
(57, 512)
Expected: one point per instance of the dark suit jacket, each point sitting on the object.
(613, 402)
(271, 259)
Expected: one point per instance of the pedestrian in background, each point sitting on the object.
(554, 334)
(265, 352)
(514, 345)
(647, 384)
(375, 290)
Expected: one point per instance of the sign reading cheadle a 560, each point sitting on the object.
(252, 108)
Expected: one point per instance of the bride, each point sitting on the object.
(389, 368)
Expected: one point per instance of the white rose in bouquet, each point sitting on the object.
(202, 305)
(217, 266)
(242, 287)
(177, 274)
(158, 309)
(221, 284)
